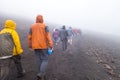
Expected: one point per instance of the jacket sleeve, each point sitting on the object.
(17, 49)
(30, 38)
(49, 39)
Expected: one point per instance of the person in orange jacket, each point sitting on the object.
(39, 39)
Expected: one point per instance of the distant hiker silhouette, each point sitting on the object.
(56, 36)
(63, 37)
(70, 35)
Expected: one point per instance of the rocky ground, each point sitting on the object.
(91, 57)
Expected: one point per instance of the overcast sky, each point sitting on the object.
(102, 15)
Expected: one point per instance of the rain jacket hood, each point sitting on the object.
(10, 27)
(10, 24)
(39, 19)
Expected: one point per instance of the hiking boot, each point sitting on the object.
(21, 74)
(41, 77)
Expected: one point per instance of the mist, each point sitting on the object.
(95, 15)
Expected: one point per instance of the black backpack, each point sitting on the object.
(6, 44)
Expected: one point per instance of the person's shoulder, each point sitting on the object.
(32, 25)
(47, 28)
(14, 31)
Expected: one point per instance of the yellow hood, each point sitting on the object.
(10, 24)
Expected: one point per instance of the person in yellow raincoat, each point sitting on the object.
(10, 26)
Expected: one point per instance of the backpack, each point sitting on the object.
(56, 34)
(6, 44)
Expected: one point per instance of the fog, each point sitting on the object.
(96, 15)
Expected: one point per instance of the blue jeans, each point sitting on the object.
(42, 60)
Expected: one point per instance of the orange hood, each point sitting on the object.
(39, 19)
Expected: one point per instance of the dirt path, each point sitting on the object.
(89, 58)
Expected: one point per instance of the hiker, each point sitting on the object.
(70, 35)
(10, 27)
(56, 36)
(39, 40)
(63, 37)
(79, 32)
(75, 31)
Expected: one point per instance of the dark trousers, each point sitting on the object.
(17, 61)
(5, 68)
(64, 44)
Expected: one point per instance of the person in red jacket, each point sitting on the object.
(39, 39)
